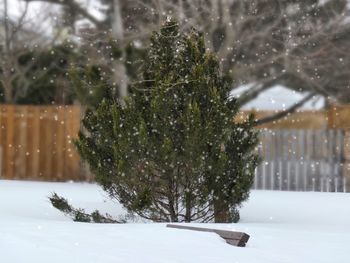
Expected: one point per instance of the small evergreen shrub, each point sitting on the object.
(172, 151)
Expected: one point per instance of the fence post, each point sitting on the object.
(0, 161)
(346, 167)
(1, 154)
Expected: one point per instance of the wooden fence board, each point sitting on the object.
(2, 127)
(59, 143)
(9, 146)
(21, 143)
(35, 138)
(49, 141)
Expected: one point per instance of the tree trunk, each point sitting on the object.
(188, 205)
(8, 98)
(120, 77)
(221, 212)
(173, 216)
(6, 81)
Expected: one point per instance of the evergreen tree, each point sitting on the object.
(172, 152)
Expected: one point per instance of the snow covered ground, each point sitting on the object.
(285, 227)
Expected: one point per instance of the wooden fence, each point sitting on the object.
(36, 142)
(301, 160)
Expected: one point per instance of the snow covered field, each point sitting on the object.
(285, 227)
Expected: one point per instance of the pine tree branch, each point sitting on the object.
(79, 215)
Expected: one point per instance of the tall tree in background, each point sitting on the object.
(11, 46)
(101, 36)
(33, 63)
(300, 44)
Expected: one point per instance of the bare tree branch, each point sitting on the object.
(286, 112)
(75, 6)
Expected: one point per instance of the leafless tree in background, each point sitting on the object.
(10, 49)
(300, 44)
(303, 45)
(97, 30)
(17, 36)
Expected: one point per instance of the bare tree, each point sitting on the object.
(303, 45)
(300, 44)
(109, 28)
(10, 51)
(20, 35)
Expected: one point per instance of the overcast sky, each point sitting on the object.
(16, 7)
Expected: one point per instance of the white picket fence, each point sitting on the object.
(301, 160)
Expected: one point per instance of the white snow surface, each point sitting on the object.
(285, 227)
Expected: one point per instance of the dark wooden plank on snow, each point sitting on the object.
(231, 237)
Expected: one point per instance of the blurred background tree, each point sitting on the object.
(33, 60)
(300, 44)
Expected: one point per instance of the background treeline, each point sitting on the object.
(303, 45)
